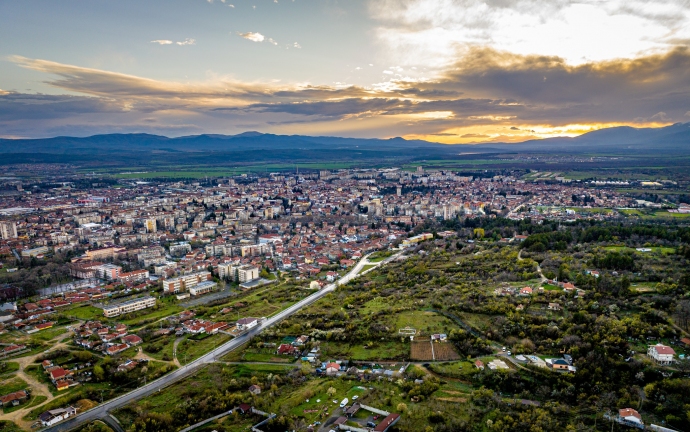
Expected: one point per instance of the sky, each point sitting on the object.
(451, 71)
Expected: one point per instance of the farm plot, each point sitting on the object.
(421, 350)
(445, 351)
(424, 350)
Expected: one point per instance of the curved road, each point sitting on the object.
(101, 411)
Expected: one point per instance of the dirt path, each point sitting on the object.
(175, 360)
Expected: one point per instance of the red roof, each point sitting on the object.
(627, 412)
(132, 339)
(663, 349)
(387, 422)
(57, 373)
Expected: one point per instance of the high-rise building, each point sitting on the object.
(150, 225)
(8, 230)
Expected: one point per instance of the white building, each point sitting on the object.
(8, 230)
(247, 273)
(247, 323)
(661, 354)
(128, 306)
(202, 288)
(53, 416)
(185, 282)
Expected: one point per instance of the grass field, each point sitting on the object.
(599, 210)
(385, 350)
(12, 385)
(86, 313)
(8, 367)
(655, 249)
(425, 322)
(190, 349)
(654, 214)
(367, 267)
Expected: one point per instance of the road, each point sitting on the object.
(101, 411)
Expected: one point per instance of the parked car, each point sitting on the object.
(371, 424)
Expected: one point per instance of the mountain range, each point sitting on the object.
(669, 140)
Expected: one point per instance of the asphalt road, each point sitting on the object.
(102, 410)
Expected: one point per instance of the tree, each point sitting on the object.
(402, 407)
(331, 391)
(682, 313)
(98, 372)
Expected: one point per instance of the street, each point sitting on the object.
(102, 410)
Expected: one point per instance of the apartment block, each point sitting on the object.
(247, 273)
(108, 271)
(8, 230)
(185, 282)
(128, 306)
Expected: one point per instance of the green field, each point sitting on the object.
(367, 267)
(12, 385)
(86, 313)
(655, 249)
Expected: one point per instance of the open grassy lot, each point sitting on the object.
(12, 385)
(8, 367)
(86, 313)
(654, 249)
(160, 348)
(191, 348)
(384, 350)
(367, 267)
(424, 322)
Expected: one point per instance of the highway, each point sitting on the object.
(102, 410)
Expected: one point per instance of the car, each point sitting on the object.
(376, 417)
(371, 424)
(335, 401)
(503, 349)
(355, 397)
(316, 423)
(509, 353)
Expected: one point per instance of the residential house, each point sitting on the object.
(14, 399)
(54, 416)
(661, 354)
(630, 417)
(255, 389)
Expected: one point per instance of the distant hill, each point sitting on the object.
(254, 146)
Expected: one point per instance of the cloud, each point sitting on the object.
(485, 92)
(472, 135)
(252, 36)
(429, 32)
(187, 41)
(296, 45)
